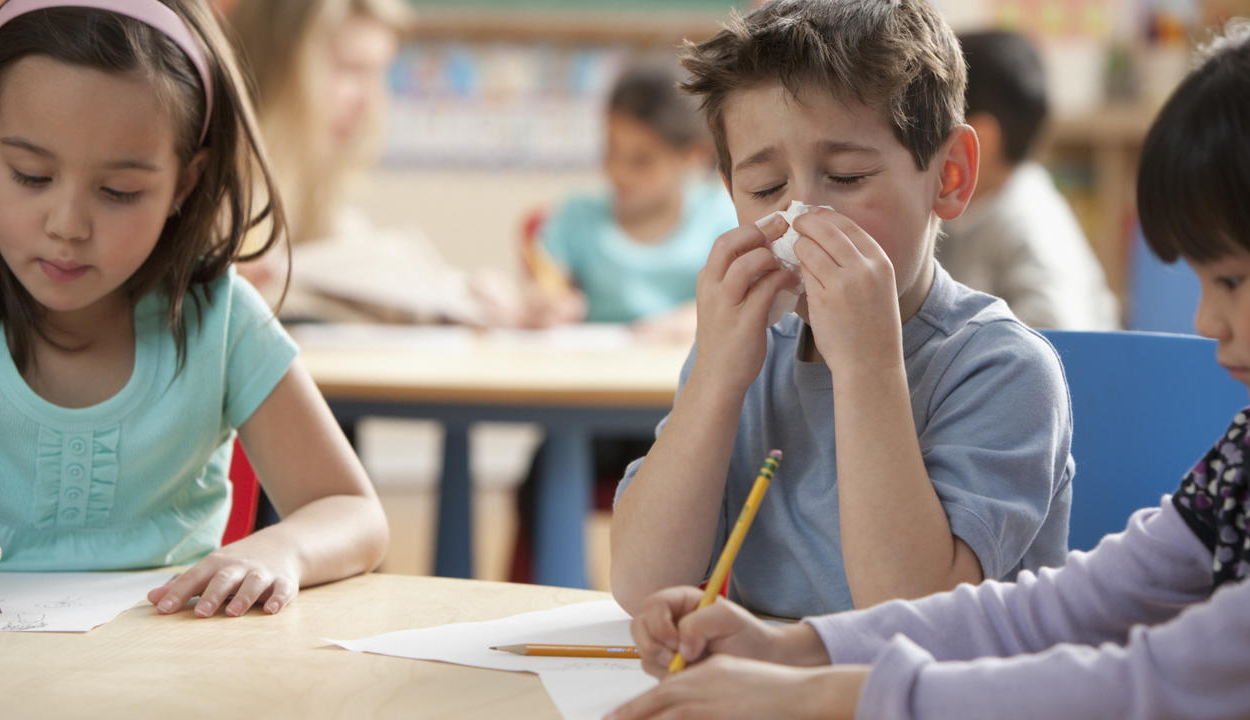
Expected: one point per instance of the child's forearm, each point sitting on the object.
(664, 524)
(896, 538)
(334, 537)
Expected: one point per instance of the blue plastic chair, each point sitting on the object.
(1162, 298)
(1145, 408)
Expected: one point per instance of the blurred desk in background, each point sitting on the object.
(574, 382)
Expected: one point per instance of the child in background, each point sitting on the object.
(1153, 623)
(632, 254)
(895, 393)
(1018, 238)
(319, 74)
(133, 349)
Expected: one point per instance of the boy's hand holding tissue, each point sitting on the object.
(736, 288)
(850, 289)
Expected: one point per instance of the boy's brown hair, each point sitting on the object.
(899, 55)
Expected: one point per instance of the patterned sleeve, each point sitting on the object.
(1214, 501)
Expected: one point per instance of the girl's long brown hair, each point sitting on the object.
(199, 243)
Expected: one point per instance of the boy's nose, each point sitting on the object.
(68, 219)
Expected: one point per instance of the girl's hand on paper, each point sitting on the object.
(735, 290)
(852, 295)
(733, 687)
(245, 573)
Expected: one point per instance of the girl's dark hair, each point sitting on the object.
(1193, 185)
(648, 92)
(199, 243)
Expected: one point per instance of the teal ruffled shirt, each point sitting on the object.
(625, 280)
(139, 480)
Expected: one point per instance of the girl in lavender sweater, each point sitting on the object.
(1153, 623)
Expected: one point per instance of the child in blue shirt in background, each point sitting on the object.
(631, 254)
(1153, 623)
(133, 351)
(926, 430)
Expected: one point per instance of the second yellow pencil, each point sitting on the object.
(727, 555)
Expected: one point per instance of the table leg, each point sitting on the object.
(563, 500)
(454, 553)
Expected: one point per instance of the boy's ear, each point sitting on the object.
(959, 161)
(989, 134)
(188, 179)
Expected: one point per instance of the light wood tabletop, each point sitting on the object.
(142, 665)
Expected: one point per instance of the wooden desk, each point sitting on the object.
(574, 384)
(143, 665)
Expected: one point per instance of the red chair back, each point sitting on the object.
(245, 497)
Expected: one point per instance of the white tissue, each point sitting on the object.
(783, 247)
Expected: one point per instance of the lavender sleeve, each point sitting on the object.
(1129, 630)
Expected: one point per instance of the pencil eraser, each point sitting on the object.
(775, 454)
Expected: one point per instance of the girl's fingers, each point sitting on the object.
(182, 588)
(254, 583)
(224, 582)
(283, 592)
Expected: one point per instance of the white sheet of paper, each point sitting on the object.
(579, 687)
(70, 601)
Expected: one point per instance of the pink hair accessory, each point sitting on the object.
(149, 12)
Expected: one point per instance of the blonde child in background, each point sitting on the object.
(896, 394)
(134, 351)
(319, 70)
(1153, 623)
(1019, 239)
(631, 254)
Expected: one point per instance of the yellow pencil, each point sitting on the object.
(589, 651)
(727, 555)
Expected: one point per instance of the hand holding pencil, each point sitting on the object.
(721, 572)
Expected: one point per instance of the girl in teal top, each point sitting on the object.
(134, 352)
(631, 254)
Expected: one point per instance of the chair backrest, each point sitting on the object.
(1145, 408)
(245, 496)
(1162, 298)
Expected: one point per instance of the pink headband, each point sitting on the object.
(149, 12)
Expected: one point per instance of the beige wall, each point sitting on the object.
(474, 216)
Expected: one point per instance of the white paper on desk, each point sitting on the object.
(432, 338)
(70, 601)
(577, 337)
(579, 687)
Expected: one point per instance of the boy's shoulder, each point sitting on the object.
(958, 317)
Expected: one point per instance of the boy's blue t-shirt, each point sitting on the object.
(139, 480)
(994, 420)
(625, 280)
